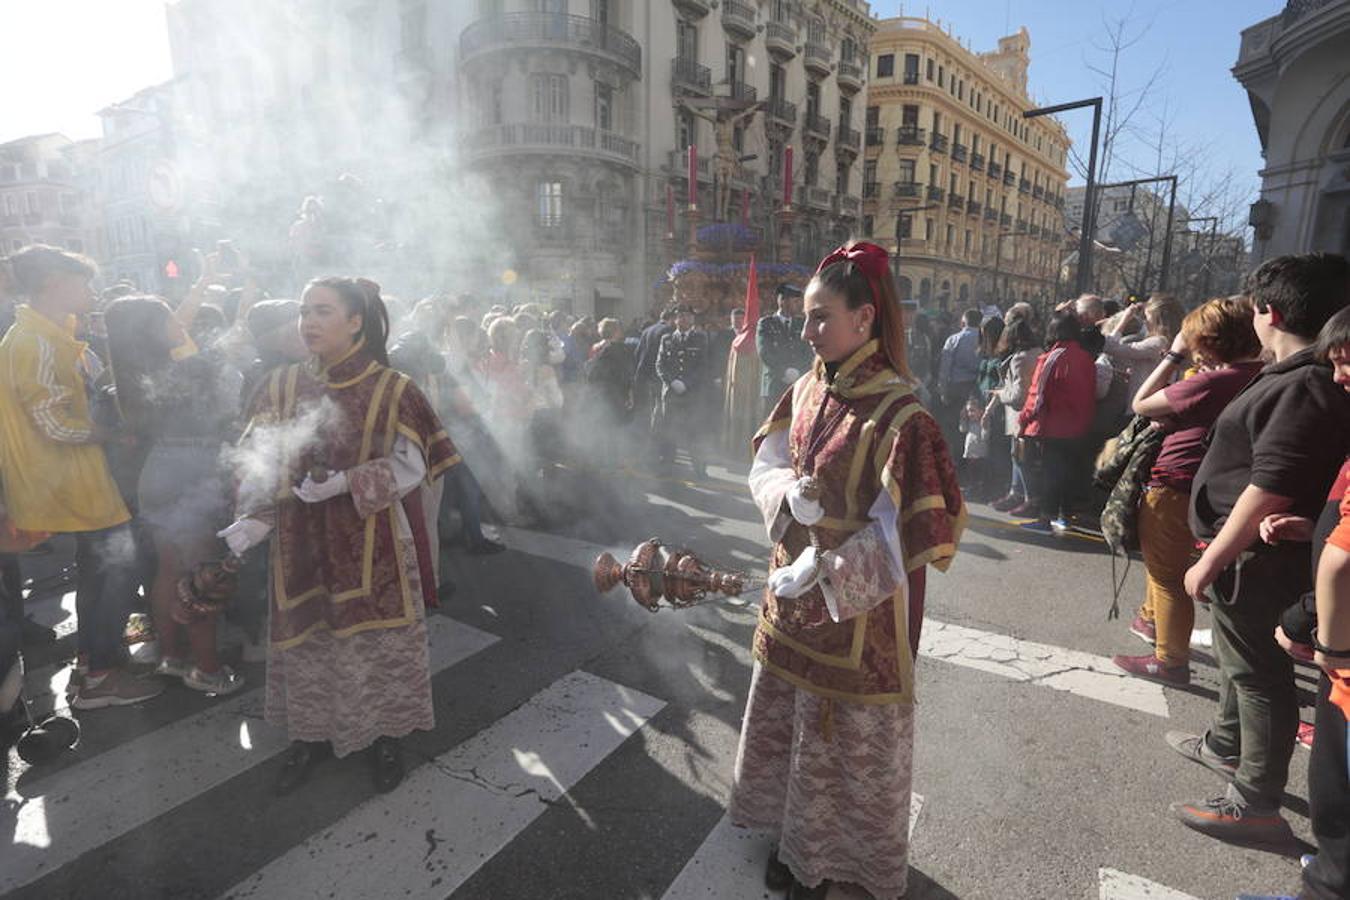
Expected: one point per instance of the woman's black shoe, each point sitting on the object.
(799, 891)
(777, 876)
(485, 547)
(300, 758)
(386, 761)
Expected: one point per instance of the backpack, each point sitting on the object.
(1124, 474)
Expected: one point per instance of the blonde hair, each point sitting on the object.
(610, 329)
(502, 336)
(1221, 331)
(1166, 313)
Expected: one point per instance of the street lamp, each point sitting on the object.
(1089, 193)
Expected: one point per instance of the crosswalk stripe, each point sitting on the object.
(449, 817)
(1117, 885)
(1058, 668)
(731, 861)
(94, 801)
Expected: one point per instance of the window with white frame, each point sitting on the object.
(550, 204)
(548, 98)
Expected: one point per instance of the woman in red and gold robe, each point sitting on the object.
(859, 496)
(334, 466)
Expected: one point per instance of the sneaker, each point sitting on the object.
(1061, 526)
(485, 547)
(1233, 820)
(1037, 526)
(115, 688)
(1028, 510)
(1007, 503)
(173, 668)
(1195, 748)
(1150, 668)
(1306, 730)
(1145, 630)
(216, 684)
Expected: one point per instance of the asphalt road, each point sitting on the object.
(584, 747)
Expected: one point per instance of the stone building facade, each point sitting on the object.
(45, 196)
(969, 193)
(1293, 66)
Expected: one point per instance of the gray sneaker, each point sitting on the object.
(116, 688)
(217, 684)
(1195, 748)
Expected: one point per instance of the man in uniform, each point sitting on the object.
(682, 367)
(782, 352)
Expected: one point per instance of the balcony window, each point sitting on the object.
(550, 201)
(886, 65)
(548, 98)
(30, 200)
(686, 133)
(604, 107)
(873, 117)
(928, 70)
(911, 68)
(904, 226)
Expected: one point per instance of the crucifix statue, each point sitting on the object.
(726, 115)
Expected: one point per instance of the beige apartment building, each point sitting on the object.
(969, 193)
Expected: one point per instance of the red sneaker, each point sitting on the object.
(1028, 510)
(1150, 668)
(1305, 735)
(1145, 630)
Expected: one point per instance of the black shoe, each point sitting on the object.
(485, 547)
(799, 891)
(386, 764)
(300, 758)
(777, 876)
(32, 633)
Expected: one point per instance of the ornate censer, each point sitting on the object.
(656, 573)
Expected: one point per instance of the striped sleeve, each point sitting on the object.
(47, 401)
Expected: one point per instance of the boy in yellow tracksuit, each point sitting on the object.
(52, 466)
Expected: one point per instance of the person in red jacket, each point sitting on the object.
(1056, 417)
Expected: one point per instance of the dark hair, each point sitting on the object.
(990, 332)
(1335, 335)
(208, 324)
(137, 350)
(361, 297)
(972, 317)
(1016, 337)
(34, 264)
(1110, 307)
(1064, 326)
(1307, 290)
(847, 279)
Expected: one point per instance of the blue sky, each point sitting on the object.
(1196, 40)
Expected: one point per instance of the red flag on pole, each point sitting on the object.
(744, 342)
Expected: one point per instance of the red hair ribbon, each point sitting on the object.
(874, 262)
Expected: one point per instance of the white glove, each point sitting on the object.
(678, 386)
(791, 374)
(808, 512)
(312, 491)
(796, 579)
(245, 534)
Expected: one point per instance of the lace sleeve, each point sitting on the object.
(379, 483)
(867, 568)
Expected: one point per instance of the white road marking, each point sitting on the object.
(430, 835)
(97, 800)
(731, 861)
(1116, 885)
(1058, 668)
(56, 611)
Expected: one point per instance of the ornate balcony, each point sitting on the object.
(538, 31)
(1024, 186)
(871, 190)
(907, 190)
(910, 136)
(814, 125)
(1020, 226)
(817, 58)
(936, 193)
(849, 77)
(813, 197)
(956, 201)
(848, 141)
(1038, 192)
(938, 143)
(781, 112)
(847, 206)
(977, 162)
(995, 170)
(688, 76)
(780, 39)
(973, 208)
(991, 215)
(738, 18)
(739, 90)
(876, 136)
(694, 8)
(1004, 219)
(1009, 178)
(959, 153)
(527, 138)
